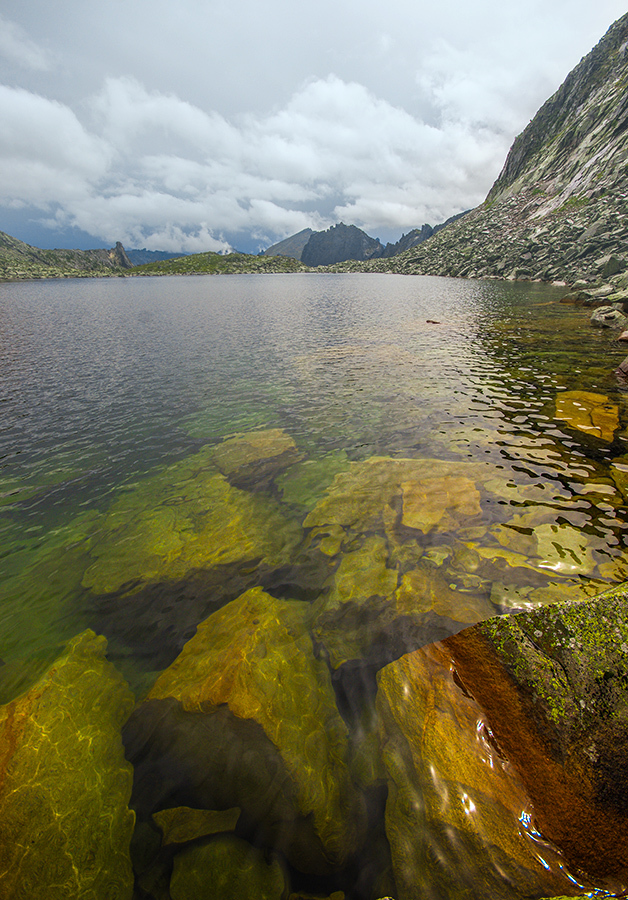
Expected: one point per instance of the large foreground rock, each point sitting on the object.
(246, 717)
(554, 685)
(64, 783)
(506, 751)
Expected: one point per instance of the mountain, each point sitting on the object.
(338, 243)
(418, 236)
(19, 260)
(141, 257)
(291, 246)
(559, 209)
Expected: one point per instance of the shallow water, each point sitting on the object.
(460, 445)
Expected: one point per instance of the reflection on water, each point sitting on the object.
(328, 473)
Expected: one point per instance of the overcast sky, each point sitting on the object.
(204, 123)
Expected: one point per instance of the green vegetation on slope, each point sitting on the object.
(217, 264)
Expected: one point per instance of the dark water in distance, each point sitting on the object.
(110, 389)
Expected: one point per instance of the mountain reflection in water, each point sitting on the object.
(266, 493)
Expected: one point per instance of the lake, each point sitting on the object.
(328, 472)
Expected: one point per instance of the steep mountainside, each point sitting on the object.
(291, 246)
(338, 243)
(559, 209)
(20, 260)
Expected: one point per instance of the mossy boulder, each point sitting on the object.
(553, 683)
(454, 807)
(226, 868)
(186, 517)
(64, 782)
(246, 717)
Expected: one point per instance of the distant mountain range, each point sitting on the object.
(347, 242)
(557, 212)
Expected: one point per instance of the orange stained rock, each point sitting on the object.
(594, 839)
(589, 412)
(440, 502)
(454, 805)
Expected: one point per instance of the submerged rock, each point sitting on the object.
(64, 782)
(251, 458)
(184, 518)
(182, 824)
(589, 412)
(226, 868)
(246, 717)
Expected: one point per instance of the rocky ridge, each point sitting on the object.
(558, 210)
(19, 260)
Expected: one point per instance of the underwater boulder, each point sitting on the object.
(254, 457)
(185, 518)
(226, 868)
(64, 782)
(246, 717)
(373, 614)
(181, 824)
(588, 412)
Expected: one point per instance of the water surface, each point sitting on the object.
(429, 450)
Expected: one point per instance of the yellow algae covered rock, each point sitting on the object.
(357, 611)
(588, 412)
(255, 454)
(227, 868)
(186, 517)
(424, 589)
(442, 503)
(182, 824)
(64, 783)
(359, 498)
(373, 613)
(455, 814)
(253, 659)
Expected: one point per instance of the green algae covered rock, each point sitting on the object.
(249, 679)
(181, 824)
(251, 457)
(226, 868)
(64, 782)
(186, 517)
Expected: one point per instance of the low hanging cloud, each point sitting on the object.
(153, 170)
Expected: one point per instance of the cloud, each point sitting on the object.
(17, 47)
(153, 170)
